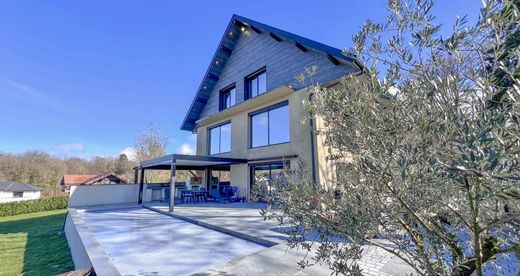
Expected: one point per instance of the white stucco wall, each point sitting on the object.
(8, 196)
(89, 195)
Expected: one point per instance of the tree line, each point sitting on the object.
(41, 169)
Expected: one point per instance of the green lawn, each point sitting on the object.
(30, 244)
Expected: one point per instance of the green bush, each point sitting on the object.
(31, 206)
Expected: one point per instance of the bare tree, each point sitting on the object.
(152, 143)
(422, 161)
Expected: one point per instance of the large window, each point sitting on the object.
(266, 173)
(256, 84)
(227, 97)
(220, 139)
(270, 126)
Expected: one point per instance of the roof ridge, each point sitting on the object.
(298, 37)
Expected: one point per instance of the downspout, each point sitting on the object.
(313, 157)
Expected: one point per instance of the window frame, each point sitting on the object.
(285, 163)
(223, 92)
(264, 110)
(219, 138)
(249, 78)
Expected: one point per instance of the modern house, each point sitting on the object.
(247, 114)
(248, 110)
(13, 191)
(69, 180)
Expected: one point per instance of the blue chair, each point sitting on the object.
(187, 196)
(167, 194)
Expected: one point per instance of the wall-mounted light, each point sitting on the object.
(230, 33)
(205, 87)
(217, 62)
(243, 28)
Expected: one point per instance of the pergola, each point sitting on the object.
(174, 162)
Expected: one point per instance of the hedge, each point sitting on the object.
(31, 206)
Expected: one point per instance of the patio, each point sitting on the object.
(243, 220)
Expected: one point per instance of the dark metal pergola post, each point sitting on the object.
(136, 175)
(172, 184)
(141, 186)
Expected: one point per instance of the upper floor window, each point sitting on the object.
(220, 139)
(270, 126)
(256, 83)
(227, 97)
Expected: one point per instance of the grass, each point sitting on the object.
(30, 244)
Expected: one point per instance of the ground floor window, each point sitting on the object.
(17, 194)
(267, 173)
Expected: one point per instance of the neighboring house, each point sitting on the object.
(248, 110)
(13, 191)
(89, 179)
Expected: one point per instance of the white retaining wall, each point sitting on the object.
(89, 195)
(77, 249)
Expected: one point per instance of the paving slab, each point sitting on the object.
(244, 220)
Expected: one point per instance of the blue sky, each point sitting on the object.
(82, 78)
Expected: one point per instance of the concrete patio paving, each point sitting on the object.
(244, 220)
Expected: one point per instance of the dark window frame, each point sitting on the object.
(219, 137)
(284, 163)
(18, 194)
(264, 110)
(222, 93)
(249, 78)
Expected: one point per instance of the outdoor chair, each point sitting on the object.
(201, 194)
(228, 194)
(187, 196)
(166, 195)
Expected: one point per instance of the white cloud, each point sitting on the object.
(25, 93)
(130, 153)
(66, 149)
(189, 146)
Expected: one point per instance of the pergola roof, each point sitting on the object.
(187, 162)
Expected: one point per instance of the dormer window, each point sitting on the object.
(227, 97)
(256, 83)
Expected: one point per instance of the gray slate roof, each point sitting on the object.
(9, 186)
(226, 47)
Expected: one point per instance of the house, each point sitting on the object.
(69, 180)
(248, 110)
(13, 191)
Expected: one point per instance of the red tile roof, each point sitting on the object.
(76, 179)
(86, 179)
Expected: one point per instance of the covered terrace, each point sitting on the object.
(174, 162)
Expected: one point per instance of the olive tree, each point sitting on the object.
(426, 167)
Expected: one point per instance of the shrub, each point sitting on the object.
(31, 206)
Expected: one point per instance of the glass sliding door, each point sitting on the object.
(267, 173)
(218, 178)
